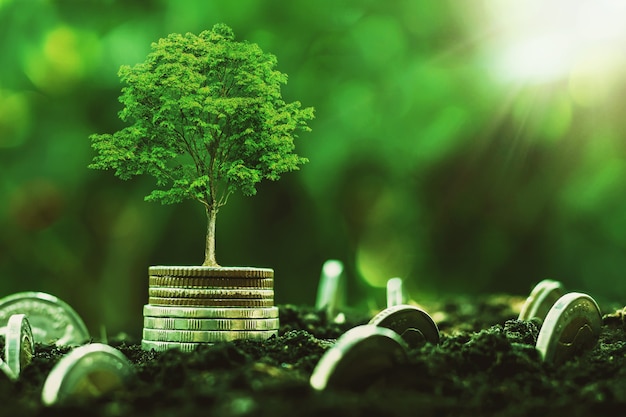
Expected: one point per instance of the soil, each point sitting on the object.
(484, 365)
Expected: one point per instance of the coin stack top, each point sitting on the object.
(193, 305)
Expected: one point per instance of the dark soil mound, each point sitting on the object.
(485, 365)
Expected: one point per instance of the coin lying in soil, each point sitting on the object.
(571, 326)
(6, 370)
(215, 283)
(413, 324)
(51, 319)
(19, 346)
(358, 357)
(541, 299)
(86, 372)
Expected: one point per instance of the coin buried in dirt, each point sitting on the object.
(19, 345)
(358, 357)
(572, 326)
(4, 368)
(51, 319)
(86, 372)
(541, 299)
(413, 324)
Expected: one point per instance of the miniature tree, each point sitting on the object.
(208, 119)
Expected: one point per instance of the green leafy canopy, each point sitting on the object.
(206, 118)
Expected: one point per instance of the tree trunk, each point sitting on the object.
(209, 252)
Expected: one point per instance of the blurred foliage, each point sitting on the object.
(424, 163)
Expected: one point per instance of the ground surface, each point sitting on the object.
(485, 365)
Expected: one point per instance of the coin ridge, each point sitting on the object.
(211, 272)
(241, 293)
(164, 346)
(173, 323)
(209, 282)
(203, 336)
(210, 312)
(211, 302)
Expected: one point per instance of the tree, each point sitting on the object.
(208, 119)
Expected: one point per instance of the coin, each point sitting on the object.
(86, 372)
(19, 346)
(413, 324)
(193, 336)
(359, 355)
(6, 370)
(207, 312)
(211, 272)
(242, 293)
(163, 346)
(541, 299)
(571, 326)
(170, 323)
(51, 319)
(331, 290)
(210, 302)
(204, 282)
(395, 292)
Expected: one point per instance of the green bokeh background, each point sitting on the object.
(423, 163)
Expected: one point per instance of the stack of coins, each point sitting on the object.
(190, 306)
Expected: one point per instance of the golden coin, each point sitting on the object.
(211, 272)
(211, 302)
(204, 282)
(169, 292)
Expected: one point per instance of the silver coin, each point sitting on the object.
(210, 312)
(413, 324)
(171, 323)
(331, 292)
(571, 326)
(211, 272)
(19, 346)
(51, 319)
(541, 299)
(6, 370)
(243, 293)
(204, 282)
(86, 372)
(395, 292)
(196, 336)
(211, 302)
(163, 346)
(360, 354)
